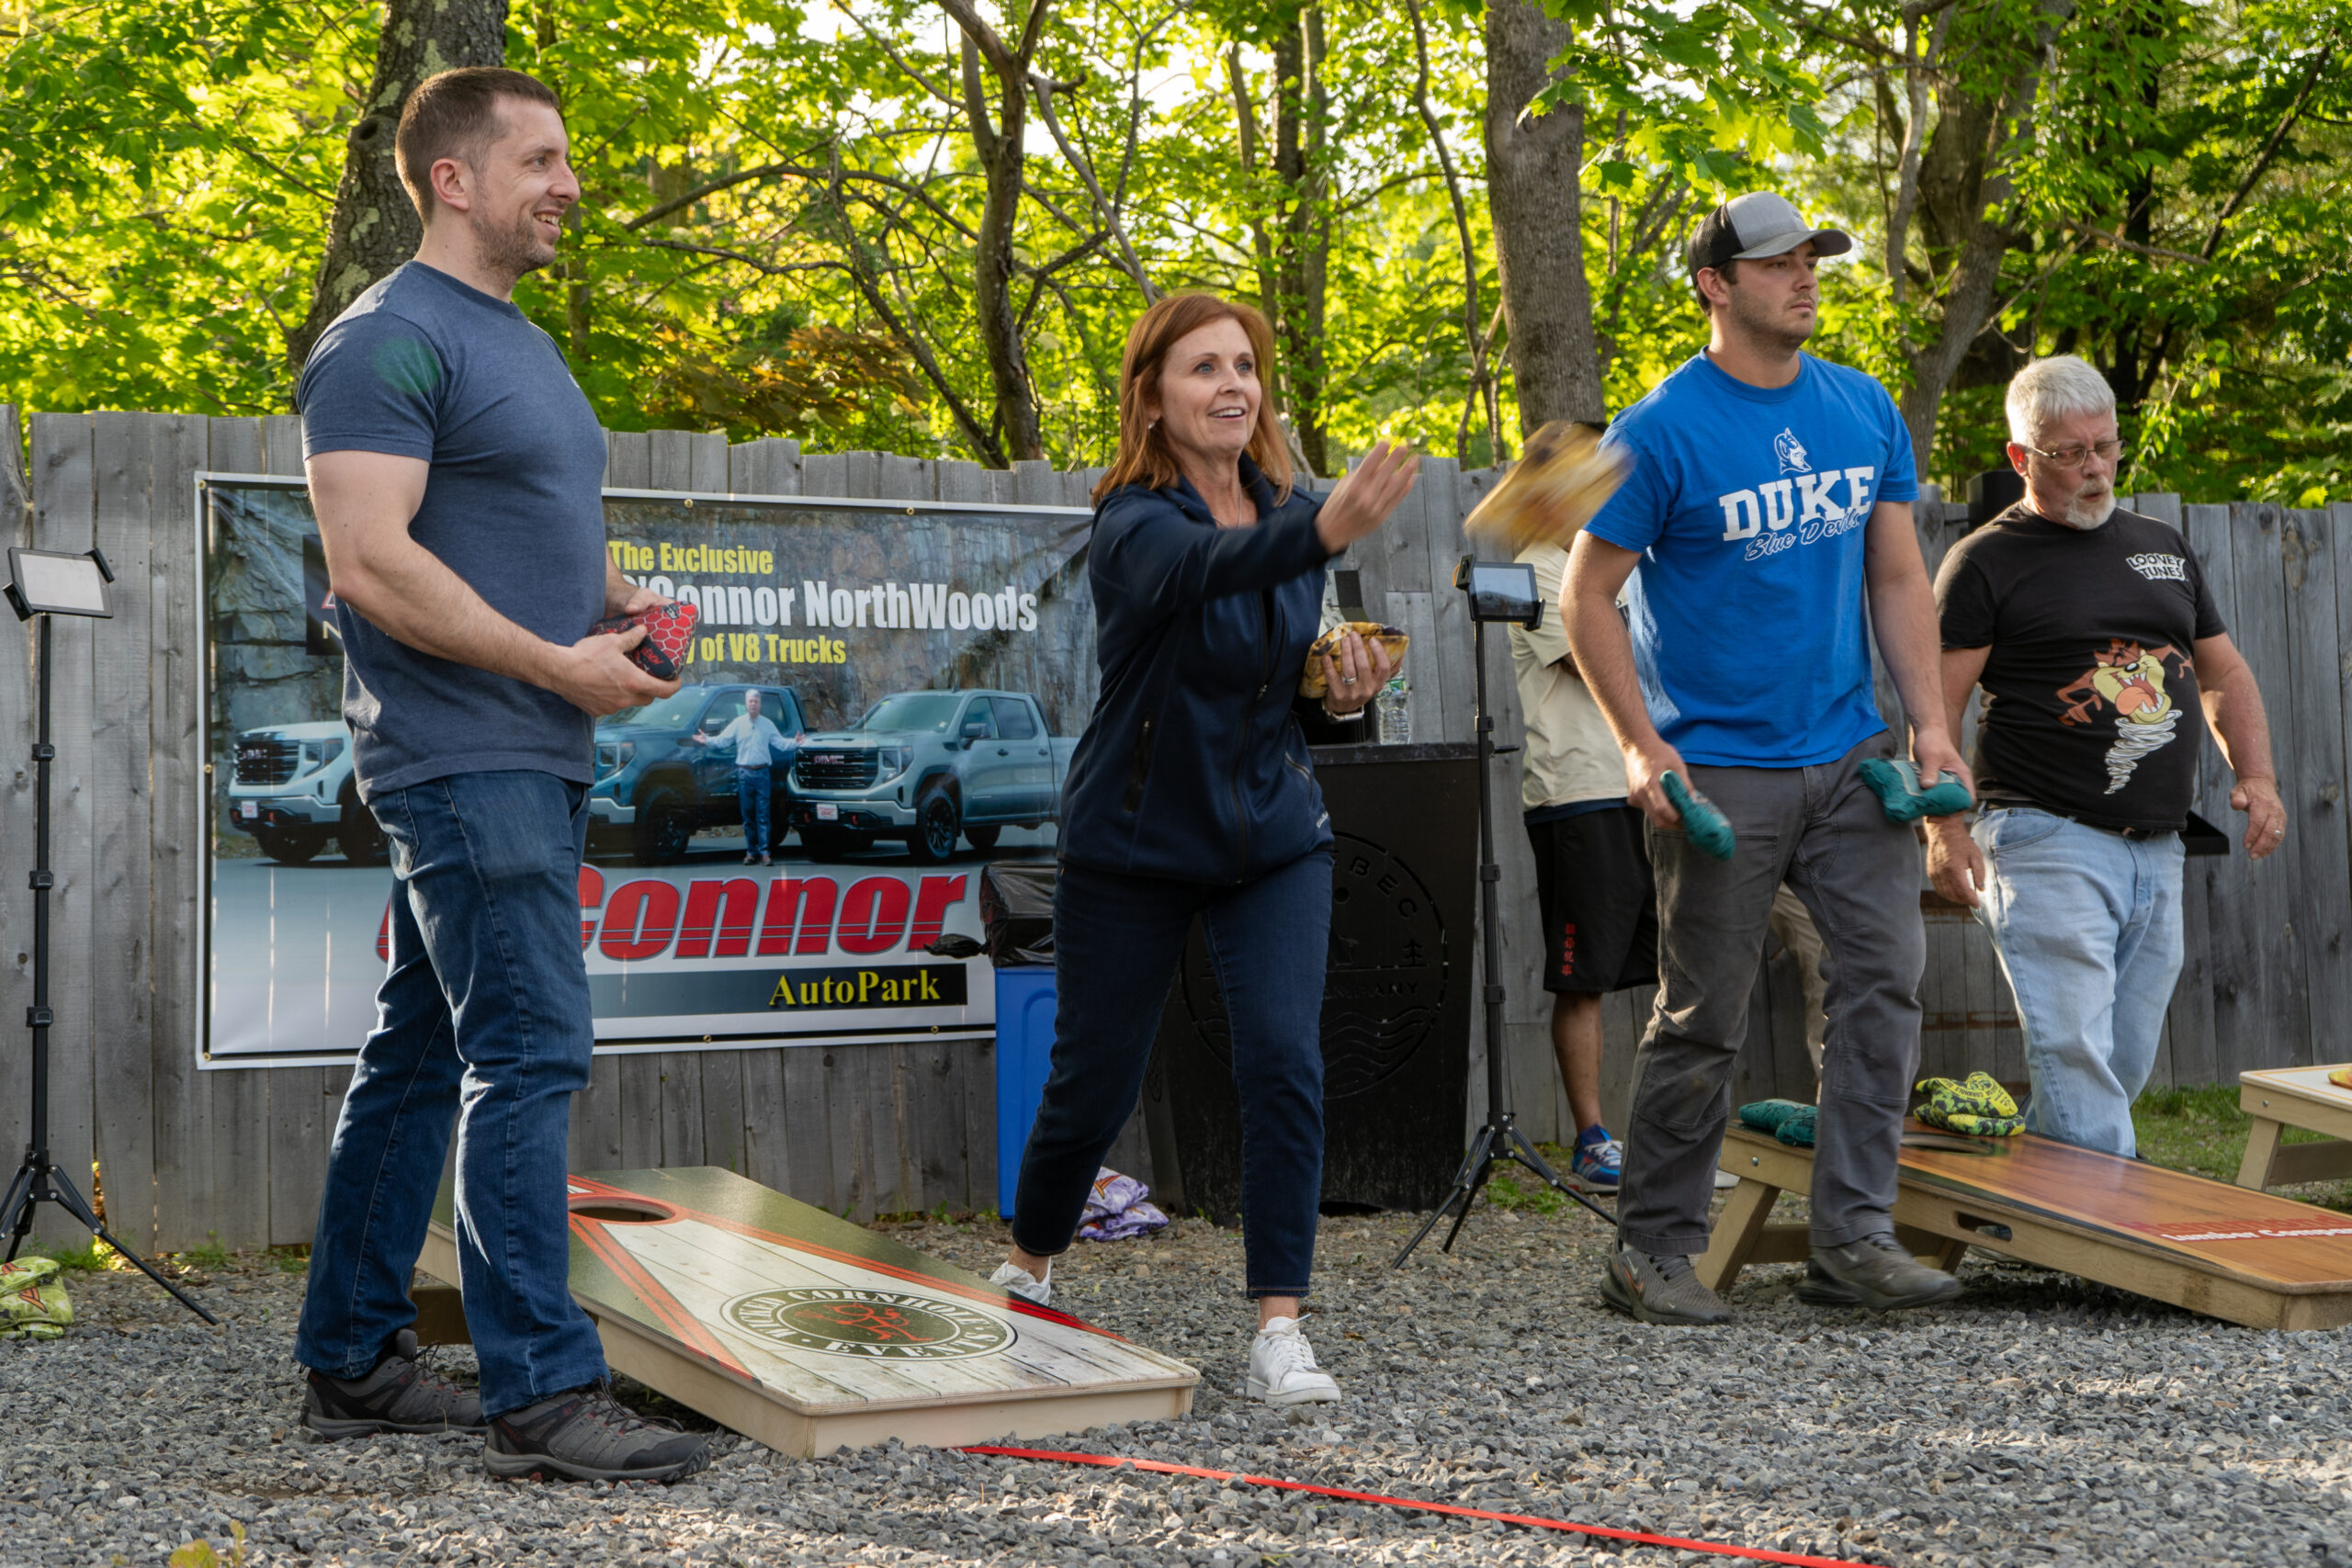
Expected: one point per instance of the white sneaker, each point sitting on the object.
(1282, 1369)
(1725, 1180)
(1023, 1283)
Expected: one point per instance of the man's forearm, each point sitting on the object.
(2240, 725)
(1604, 661)
(410, 594)
(1903, 616)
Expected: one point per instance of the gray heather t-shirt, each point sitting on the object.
(421, 366)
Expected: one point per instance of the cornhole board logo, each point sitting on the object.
(874, 1325)
(2237, 1230)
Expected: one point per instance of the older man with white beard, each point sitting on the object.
(2102, 657)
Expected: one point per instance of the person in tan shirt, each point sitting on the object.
(1592, 874)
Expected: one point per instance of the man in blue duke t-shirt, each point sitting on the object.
(1768, 501)
(457, 472)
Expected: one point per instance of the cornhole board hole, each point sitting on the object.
(809, 1333)
(2251, 1258)
(2280, 1098)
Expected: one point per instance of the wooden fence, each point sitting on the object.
(238, 1155)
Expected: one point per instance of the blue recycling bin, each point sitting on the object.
(1024, 1051)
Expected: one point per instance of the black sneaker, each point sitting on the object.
(584, 1434)
(402, 1394)
(1877, 1272)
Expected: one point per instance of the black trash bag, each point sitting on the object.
(1017, 911)
(955, 945)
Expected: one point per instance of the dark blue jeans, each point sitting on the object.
(1117, 941)
(751, 790)
(483, 1026)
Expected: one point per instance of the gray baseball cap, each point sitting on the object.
(1761, 223)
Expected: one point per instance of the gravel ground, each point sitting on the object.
(2036, 1421)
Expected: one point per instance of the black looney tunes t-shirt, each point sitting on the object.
(2090, 689)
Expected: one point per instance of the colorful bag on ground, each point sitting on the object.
(1115, 1209)
(33, 1304)
(1978, 1107)
(1785, 1119)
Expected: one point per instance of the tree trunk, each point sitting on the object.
(997, 140)
(1964, 186)
(375, 227)
(1533, 168)
(1301, 102)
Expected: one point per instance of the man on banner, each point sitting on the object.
(456, 471)
(1768, 503)
(757, 744)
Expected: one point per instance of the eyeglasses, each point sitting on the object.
(2072, 457)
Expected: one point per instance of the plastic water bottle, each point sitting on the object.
(1394, 712)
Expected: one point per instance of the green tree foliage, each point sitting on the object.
(788, 208)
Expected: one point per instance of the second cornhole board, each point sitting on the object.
(2250, 1257)
(808, 1333)
(2280, 1098)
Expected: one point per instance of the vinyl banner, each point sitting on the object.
(925, 666)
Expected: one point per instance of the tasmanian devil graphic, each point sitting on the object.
(2131, 679)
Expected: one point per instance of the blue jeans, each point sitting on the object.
(1117, 941)
(483, 1025)
(2087, 925)
(751, 790)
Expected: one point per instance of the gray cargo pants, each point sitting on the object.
(1820, 830)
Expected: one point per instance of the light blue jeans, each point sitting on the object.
(2087, 925)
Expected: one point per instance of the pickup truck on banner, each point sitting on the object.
(928, 767)
(290, 787)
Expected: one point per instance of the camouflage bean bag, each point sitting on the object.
(32, 1300)
(1979, 1107)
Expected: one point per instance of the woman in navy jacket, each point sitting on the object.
(1190, 793)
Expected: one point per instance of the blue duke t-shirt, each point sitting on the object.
(1751, 505)
(421, 365)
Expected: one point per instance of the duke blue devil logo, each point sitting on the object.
(1790, 451)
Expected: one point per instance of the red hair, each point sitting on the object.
(1144, 456)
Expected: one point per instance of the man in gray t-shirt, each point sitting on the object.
(456, 469)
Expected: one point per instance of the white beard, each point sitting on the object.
(2088, 516)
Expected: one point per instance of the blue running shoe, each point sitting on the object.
(1600, 1159)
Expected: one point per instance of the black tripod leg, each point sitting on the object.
(149, 1269)
(66, 1198)
(16, 1213)
(1464, 1188)
(1524, 1153)
(1470, 1196)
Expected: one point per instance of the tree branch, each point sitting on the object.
(2271, 150)
(1473, 339)
(1104, 208)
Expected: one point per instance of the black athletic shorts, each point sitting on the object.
(1592, 876)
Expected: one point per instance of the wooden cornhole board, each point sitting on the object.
(2247, 1256)
(2280, 1098)
(808, 1333)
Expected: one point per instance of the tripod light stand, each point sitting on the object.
(1497, 592)
(48, 583)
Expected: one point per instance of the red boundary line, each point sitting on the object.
(672, 1312)
(987, 1297)
(1161, 1467)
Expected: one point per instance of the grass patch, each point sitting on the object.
(291, 1259)
(2199, 1128)
(92, 1256)
(210, 1256)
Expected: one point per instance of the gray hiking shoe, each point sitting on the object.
(1878, 1272)
(584, 1434)
(1659, 1290)
(402, 1394)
